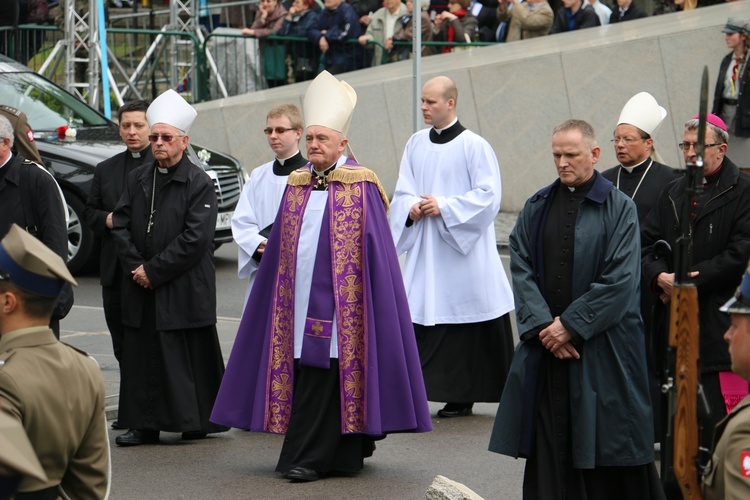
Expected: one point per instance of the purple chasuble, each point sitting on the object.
(381, 385)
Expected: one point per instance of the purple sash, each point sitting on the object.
(341, 279)
(316, 341)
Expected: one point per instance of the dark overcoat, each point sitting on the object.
(105, 192)
(721, 249)
(609, 398)
(179, 260)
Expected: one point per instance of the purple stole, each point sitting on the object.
(337, 285)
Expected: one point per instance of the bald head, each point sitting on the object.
(439, 96)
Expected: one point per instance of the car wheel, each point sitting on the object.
(80, 237)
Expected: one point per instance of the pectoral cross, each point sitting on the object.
(150, 221)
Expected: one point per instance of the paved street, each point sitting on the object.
(239, 465)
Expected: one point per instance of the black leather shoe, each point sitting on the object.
(302, 474)
(455, 410)
(191, 435)
(134, 437)
(116, 425)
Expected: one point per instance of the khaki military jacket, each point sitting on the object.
(728, 474)
(57, 393)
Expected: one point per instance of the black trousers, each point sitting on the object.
(313, 439)
(112, 303)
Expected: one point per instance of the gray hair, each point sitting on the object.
(425, 4)
(721, 135)
(6, 129)
(586, 130)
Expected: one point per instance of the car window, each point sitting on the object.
(46, 105)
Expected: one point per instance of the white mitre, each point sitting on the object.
(644, 112)
(329, 103)
(170, 108)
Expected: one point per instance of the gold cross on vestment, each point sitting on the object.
(317, 328)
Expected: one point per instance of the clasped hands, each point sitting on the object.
(428, 206)
(140, 277)
(557, 340)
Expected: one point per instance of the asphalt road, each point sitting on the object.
(240, 465)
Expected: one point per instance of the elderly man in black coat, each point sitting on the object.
(164, 227)
(720, 251)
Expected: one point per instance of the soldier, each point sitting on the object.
(728, 473)
(24, 136)
(55, 391)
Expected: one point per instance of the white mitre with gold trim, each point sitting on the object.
(329, 103)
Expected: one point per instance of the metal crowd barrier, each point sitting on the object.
(224, 63)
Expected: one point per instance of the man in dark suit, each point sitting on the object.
(106, 190)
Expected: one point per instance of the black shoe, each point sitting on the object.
(302, 474)
(191, 435)
(116, 425)
(134, 437)
(455, 410)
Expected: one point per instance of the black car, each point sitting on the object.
(72, 162)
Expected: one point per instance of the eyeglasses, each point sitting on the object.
(687, 145)
(627, 140)
(165, 138)
(278, 130)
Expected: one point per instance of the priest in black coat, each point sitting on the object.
(106, 189)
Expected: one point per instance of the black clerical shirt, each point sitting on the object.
(559, 243)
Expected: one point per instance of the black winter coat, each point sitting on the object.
(48, 214)
(742, 118)
(721, 249)
(105, 192)
(181, 266)
(586, 17)
(632, 13)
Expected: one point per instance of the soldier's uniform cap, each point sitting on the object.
(172, 109)
(736, 25)
(740, 303)
(329, 103)
(16, 452)
(642, 111)
(31, 265)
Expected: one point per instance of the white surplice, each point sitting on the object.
(256, 209)
(453, 272)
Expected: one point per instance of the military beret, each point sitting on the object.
(31, 265)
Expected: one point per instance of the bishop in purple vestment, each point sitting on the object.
(326, 352)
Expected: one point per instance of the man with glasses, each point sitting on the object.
(164, 225)
(720, 230)
(642, 178)
(257, 207)
(638, 175)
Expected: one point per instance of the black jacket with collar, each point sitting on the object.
(585, 17)
(48, 212)
(181, 261)
(105, 192)
(720, 252)
(632, 13)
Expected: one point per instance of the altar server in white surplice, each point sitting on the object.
(442, 216)
(259, 202)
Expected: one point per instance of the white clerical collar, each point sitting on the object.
(440, 130)
(342, 159)
(630, 169)
(137, 154)
(281, 161)
(162, 170)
